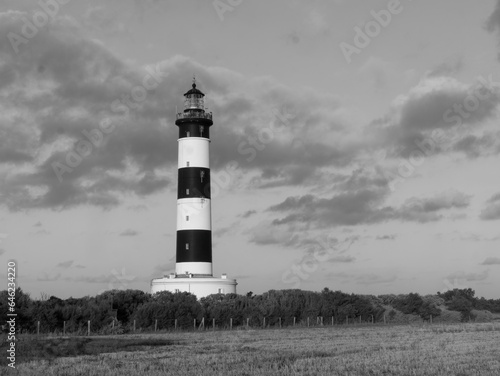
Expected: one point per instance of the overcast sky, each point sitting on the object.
(355, 144)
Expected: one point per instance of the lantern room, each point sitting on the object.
(194, 100)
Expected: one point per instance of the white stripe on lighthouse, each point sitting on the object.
(193, 152)
(193, 214)
(193, 268)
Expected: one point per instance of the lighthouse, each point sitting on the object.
(193, 251)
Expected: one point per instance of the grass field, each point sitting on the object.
(459, 350)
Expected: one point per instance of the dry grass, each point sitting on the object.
(465, 349)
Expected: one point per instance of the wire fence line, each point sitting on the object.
(115, 327)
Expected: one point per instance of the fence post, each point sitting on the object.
(134, 326)
(321, 321)
(194, 324)
(64, 328)
(347, 320)
(156, 324)
(175, 324)
(384, 318)
(431, 319)
(113, 324)
(332, 320)
(307, 321)
(213, 324)
(264, 323)
(294, 320)
(231, 323)
(38, 328)
(248, 319)
(360, 319)
(88, 328)
(280, 322)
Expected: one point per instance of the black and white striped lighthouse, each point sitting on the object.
(194, 225)
(193, 251)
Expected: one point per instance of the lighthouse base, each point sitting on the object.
(200, 286)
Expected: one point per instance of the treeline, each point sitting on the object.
(117, 311)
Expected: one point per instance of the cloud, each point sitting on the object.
(248, 213)
(92, 279)
(38, 224)
(62, 103)
(116, 279)
(469, 277)
(491, 261)
(316, 23)
(426, 209)
(100, 19)
(451, 66)
(493, 22)
(386, 237)
(476, 146)
(474, 237)
(224, 230)
(129, 232)
(293, 37)
(369, 279)
(363, 279)
(138, 207)
(2, 251)
(341, 259)
(65, 264)
(365, 206)
(492, 209)
(343, 209)
(44, 277)
(438, 104)
(266, 234)
(378, 71)
(358, 201)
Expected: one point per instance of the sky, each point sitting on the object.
(355, 144)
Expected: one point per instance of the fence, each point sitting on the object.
(212, 324)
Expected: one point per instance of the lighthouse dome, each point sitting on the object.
(194, 90)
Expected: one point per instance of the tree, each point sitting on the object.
(166, 306)
(462, 305)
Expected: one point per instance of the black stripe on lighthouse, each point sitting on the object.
(195, 128)
(194, 246)
(193, 182)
